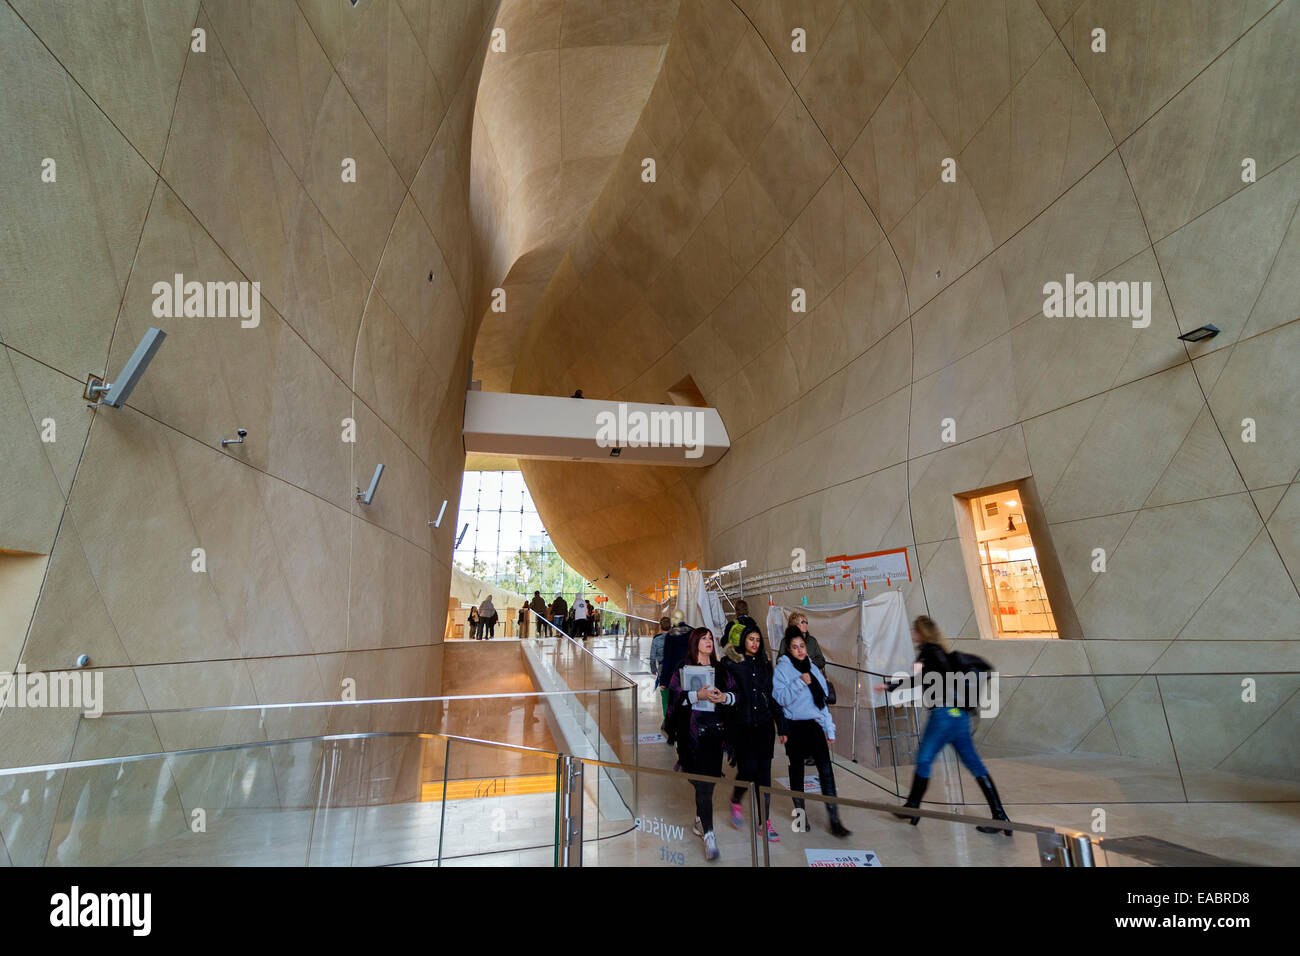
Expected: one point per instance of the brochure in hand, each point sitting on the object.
(697, 677)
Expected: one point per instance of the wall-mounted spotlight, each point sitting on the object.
(441, 512)
(241, 432)
(114, 393)
(1201, 334)
(365, 497)
(462, 536)
(615, 452)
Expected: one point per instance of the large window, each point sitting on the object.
(504, 540)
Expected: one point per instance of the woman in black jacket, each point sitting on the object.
(754, 722)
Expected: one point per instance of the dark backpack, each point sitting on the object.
(968, 663)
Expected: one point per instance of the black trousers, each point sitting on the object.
(705, 757)
(805, 738)
(754, 746)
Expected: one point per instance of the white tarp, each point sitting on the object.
(887, 639)
(871, 635)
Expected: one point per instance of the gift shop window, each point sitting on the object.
(1010, 566)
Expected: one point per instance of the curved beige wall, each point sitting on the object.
(226, 165)
(821, 170)
(554, 111)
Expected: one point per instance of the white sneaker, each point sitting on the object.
(710, 846)
(698, 828)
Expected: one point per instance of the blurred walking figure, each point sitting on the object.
(523, 621)
(800, 689)
(949, 723)
(473, 623)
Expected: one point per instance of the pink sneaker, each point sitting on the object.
(772, 835)
(737, 816)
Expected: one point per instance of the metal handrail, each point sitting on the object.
(584, 650)
(251, 744)
(345, 703)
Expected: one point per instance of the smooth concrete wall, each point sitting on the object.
(821, 170)
(227, 164)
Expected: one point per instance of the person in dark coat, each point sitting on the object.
(701, 734)
(559, 609)
(675, 642)
(737, 627)
(754, 722)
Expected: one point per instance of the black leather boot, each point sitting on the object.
(914, 799)
(995, 804)
(832, 811)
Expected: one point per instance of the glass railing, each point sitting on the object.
(1092, 739)
(391, 799)
(250, 788)
(602, 726)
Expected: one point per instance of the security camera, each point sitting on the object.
(113, 394)
(365, 497)
(241, 432)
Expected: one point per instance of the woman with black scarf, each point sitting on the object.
(800, 688)
(755, 721)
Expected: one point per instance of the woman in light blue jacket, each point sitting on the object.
(800, 688)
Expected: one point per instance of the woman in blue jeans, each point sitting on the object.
(949, 723)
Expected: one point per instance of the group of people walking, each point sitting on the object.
(752, 703)
(580, 620)
(748, 707)
(583, 619)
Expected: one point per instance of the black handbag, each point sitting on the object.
(830, 693)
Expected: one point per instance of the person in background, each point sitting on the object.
(737, 627)
(800, 689)
(523, 621)
(675, 643)
(559, 610)
(700, 733)
(656, 662)
(581, 617)
(473, 623)
(798, 627)
(948, 724)
(487, 614)
(538, 606)
(754, 723)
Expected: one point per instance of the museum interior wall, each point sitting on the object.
(822, 171)
(796, 146)
(229, 163)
